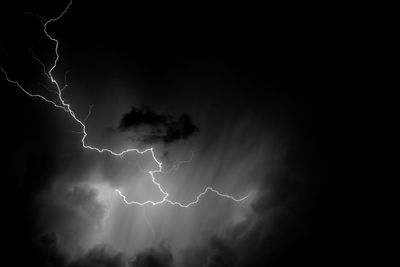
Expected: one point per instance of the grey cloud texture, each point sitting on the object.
(159, 256)
(85, 198)
(101, 255)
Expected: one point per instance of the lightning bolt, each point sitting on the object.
(61, 104)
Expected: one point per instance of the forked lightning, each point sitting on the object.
(67, 108)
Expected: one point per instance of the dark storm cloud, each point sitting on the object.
(49, 252)
(268, 235)
(154, 257)
(151, 127)
(103, 255)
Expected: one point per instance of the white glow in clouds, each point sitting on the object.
(66, 107)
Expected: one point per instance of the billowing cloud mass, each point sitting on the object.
(100, 255)
(85, 198)
(272, 228)
(151, 127)
(250, 119)
(160, 256)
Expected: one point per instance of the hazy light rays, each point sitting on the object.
(67, 108)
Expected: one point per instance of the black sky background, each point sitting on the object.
(286, 57)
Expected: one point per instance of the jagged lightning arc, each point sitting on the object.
(67, 108)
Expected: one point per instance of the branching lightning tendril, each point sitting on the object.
(67, 108)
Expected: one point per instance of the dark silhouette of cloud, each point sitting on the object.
(151, 127)
(105, 256)
(154, 257)
(49, 252)
(100, 255)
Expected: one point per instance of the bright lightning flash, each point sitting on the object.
(67, 108)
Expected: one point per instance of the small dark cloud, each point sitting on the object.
(151, 127)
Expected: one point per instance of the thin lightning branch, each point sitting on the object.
(46, 86)
(32, 95)
(175, 167)
(67, 108)
(40, 62)
(65, 81)
(108, 209)
(165, 200)
(148, 223)
(89, 112)
(77, 132)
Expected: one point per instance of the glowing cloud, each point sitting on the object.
(67, 108)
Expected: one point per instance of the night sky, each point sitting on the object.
(241, 91)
